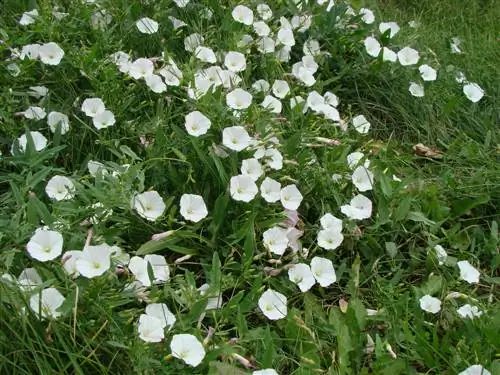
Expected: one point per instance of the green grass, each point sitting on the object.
(385, 263)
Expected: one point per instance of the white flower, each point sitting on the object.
(93, 106)
(171, 73)
(205, 54)
(275, 239)
(150, 328)
(393, 26)
(149, 205)
(330, 222)
(455, 45)
(50, 53)
(236, 138)
(261, 85)
(361, 124)
(38, 91)
(367, 15)
(45, 245)
(29, 279)
(389, 55)
(58, 118)
(473, 92)
(243, 188)
(188, 348)
(266, 45)
(100, 19)
(276, 159)
(460, 77)
(69, 259)
(372, 46)
(267, 371)
(264, 12)
(28, 17)
(60, 188)
(261, 28)
(408, 56)
(468, 272)
(155, 83)
(272, 104)
(441, 254)
(251, 167)
(332, 99)
(296, 100)
(301, 275)
(197, 123)
(430, 304)
(141, 68)
(147, 25)
(270, 190)
(96, 168)
(475, 370)
(290, 197)
(428, 73)
(35, 113)
(235, 61)
(181, 3)
(94, 261)
(245, 41)
(161, 272)
(359, 208)
(242, 14)
(330, 239)
(192, 41)
(39, 141)
(103, 120)
(280, 88)
(362, 178)
(311, 47)
(31, 51)
(285, 36)
(416, 89)
(273, 304)
(193, 207)
(161, 312)
(238, 99)
(468, 311)
(46, 303)
(354, 158)
(177, 23)
(315, 101)
(323, 271)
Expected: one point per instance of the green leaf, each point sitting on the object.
(403, 209)
(153, 246)
(420, 218)
(215, 272)
(221, 368)
(463, 206)
(432, 286)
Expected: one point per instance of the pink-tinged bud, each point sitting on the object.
(159, 236)
(328, 141)
(292, 218)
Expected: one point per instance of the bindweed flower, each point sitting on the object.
(60, 188)
(455, 45)
(50, 53)
(38, 91)
(39, 141)
(235, 61)
(139, 267)
(275, 240)
(393, 26)
(141, 68)
(45, 245)
(470, 312)
(161, 312)
(28, 18)
(285, 36)
(290, 197)
(147, 25)
(261, 28)
(468, 272)
(270, 190)
(95, 168)
(150, 328)
(46, 303)
(149, 205)
(261, 85)
(193, 207)
(359, 208)
(181, 3)
(428, 73)
(235, 138)
(416, 89)
(361, 124)
(205, 54)
(57, 118)
(191, 42)
(177, 23)
(187, 348)
(242, 14)
(273, 304)
(197, 123)
(93, 106)
(272, 104)
(301, 275)
(323, 271)
(367, 16)
(238, 99)
(354, 158)
(441, 254)
(243, 188)
(266, 44)
(35, 113)
(100, 19)
(104, 120)
(264, 12)
(408, 56)
(372, 46)
(475, 370)
(330, 239)
(328, 221)
(430, 304)
(94, 261)
(29, 279)
(473, 92)
(251, 167)
(69, 259)
(362, 178)
(155, 83)
(389, 55)
(280, 88)
(31, 51)
(171, 73)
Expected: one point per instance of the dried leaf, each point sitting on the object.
(429, 152)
